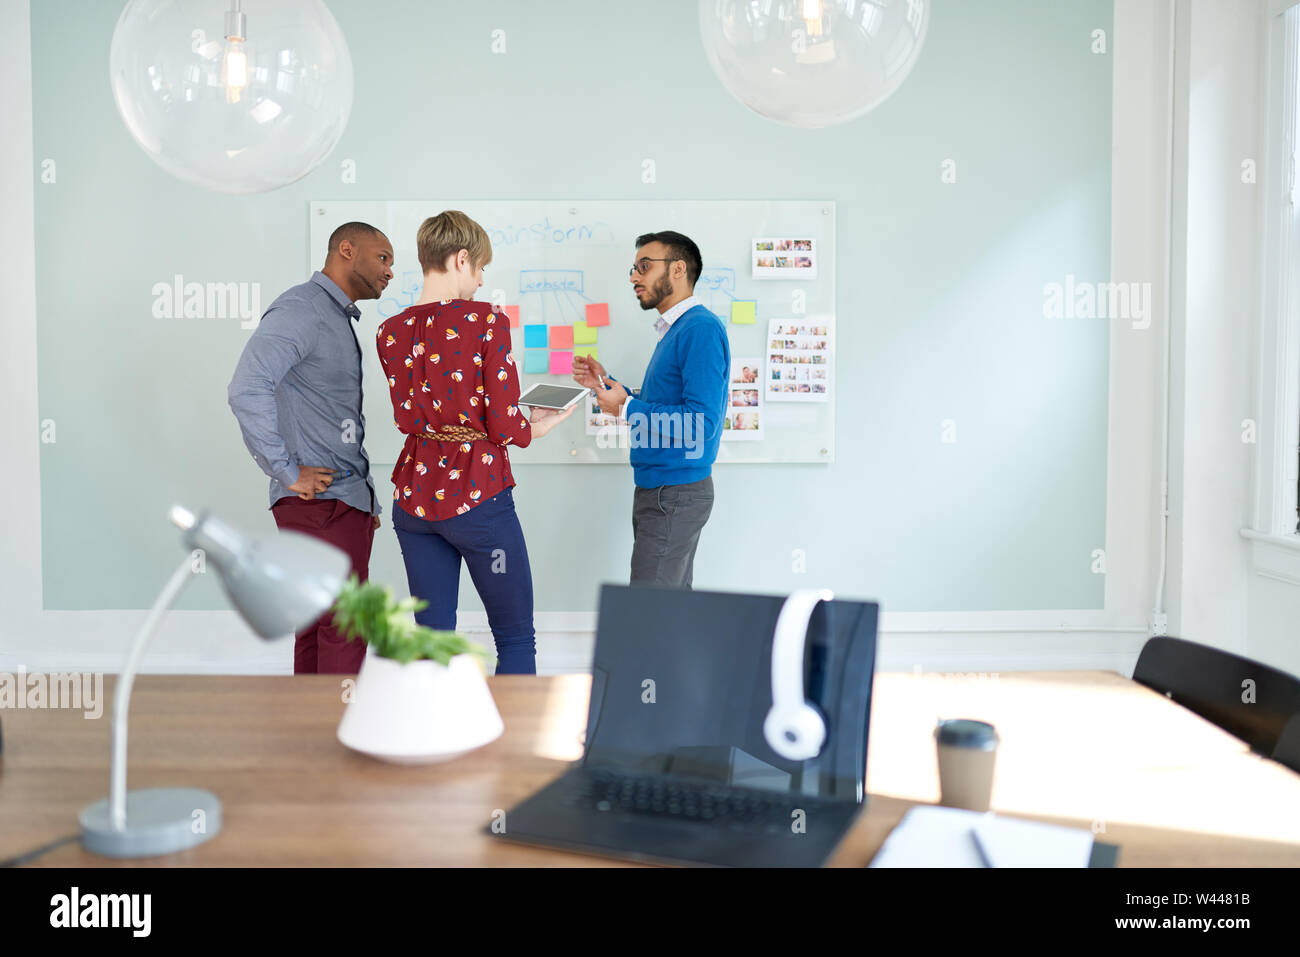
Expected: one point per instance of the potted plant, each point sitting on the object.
(421, 695)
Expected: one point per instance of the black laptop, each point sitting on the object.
(676, 767)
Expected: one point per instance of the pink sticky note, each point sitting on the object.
(561, 363)
(561, 337)
(597, 313)
(513, 313)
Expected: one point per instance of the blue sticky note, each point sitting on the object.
(536, 361)
(535, 337)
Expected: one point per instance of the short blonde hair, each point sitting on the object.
(447, 234)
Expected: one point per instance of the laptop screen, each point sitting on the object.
(682, 682)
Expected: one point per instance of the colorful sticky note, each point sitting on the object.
(535, 337)
(535, 362)
(597, 314)
(583, 334)
(588, 351)
(561, 363)
(743, 312)
(561, 337)
(513, 313)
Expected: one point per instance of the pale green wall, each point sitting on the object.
(940, 292)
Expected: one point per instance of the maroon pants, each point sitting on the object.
(320, 647)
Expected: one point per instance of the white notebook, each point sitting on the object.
(942, 837)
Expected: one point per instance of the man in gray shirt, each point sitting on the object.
(297, 395)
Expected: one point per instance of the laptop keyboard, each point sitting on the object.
(604, 790)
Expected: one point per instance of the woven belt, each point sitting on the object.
(454, 433)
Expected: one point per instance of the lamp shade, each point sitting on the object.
(277, 584)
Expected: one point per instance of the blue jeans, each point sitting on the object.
(488, 537)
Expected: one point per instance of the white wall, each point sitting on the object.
(1274, 574)
(1225, 590)
(1274, 608)
(215, 641)
(1216, 281)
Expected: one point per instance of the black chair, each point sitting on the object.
(1212, 683)
(1287, 749)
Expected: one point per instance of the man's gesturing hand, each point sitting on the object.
(611, 399)
(585, 370)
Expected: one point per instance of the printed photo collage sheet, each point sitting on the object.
(796, 366)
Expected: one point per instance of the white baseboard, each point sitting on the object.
(568, 650)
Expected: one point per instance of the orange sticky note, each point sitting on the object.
(513, 313)
(597, 314)
(561, 337)
(561, 363)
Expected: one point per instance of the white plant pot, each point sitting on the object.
(421, 712)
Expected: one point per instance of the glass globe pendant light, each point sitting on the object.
(238, 96)
(812, 63)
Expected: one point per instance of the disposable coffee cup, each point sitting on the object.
(967, 750)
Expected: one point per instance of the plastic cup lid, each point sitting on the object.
(966, 733)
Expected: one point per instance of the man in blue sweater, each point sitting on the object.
(675, 418)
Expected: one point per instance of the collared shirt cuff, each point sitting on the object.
(287, 478)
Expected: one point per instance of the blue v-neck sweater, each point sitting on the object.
(675, 419)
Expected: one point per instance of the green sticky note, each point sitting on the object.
(588, 351)
(583, 334)
(744, 312)
(535, 362)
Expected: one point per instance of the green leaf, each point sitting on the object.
(368, 611)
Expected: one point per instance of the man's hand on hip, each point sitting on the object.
(312, 479)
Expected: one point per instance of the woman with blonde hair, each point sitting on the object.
(455, 391)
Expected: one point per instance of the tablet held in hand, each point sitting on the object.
(558, 397)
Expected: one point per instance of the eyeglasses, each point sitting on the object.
(642, 265)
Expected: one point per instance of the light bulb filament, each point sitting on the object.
(812, 17)
(234, 70)
(234, 65)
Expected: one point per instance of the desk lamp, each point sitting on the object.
(277, 585)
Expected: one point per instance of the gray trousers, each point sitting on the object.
(666, 526)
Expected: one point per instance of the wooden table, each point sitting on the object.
(1085, 748)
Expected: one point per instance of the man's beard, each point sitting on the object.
(662, 290)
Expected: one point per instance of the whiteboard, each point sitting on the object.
(553, 257)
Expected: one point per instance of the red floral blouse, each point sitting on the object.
(449, 363)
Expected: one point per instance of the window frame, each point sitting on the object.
(1278, 426)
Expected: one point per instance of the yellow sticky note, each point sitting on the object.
(588, 351)
(744, 312)
(583, 334)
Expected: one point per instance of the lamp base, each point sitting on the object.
(158, 821)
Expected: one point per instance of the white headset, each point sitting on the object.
(794, 729)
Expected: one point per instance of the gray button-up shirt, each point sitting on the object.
(297, 393)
